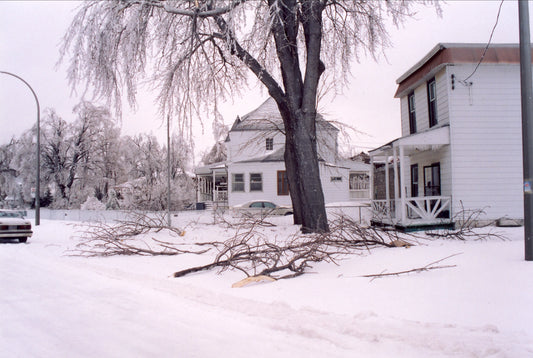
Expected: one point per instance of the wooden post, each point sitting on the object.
(402, 191)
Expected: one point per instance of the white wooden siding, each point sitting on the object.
(486, 140)
(421, 105)
(245, 145)
(337, 191)
(269, 175)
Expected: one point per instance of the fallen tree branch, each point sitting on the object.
(428, 267)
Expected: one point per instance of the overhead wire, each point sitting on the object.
(486, 47)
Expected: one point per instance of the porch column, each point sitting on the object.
(198, 188)
(402, 189)
(387, 191)
(371, 179)
(395, 160)
(214, 180)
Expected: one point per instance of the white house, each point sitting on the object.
(255, 168)
(461, 144)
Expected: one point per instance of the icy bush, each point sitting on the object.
(92, 203)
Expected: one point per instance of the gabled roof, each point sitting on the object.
(267, 117)
(454, 53)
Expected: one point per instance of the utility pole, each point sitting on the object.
(527, 124)
(168, 172)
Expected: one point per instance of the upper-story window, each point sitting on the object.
(432, 102)
(412, 113)
(269, 143)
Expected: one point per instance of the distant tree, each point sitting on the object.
(74, 154)
(203, 50)
(7, 172)
(146, 164)
(216, 154)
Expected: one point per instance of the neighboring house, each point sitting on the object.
(255, 167)
(461, 144)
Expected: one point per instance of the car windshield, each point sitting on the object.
(10, 214)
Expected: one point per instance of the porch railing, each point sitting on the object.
(429, 208)
(221, 195)
(415, 209)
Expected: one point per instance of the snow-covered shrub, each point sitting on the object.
(92, 203)
(112, 201)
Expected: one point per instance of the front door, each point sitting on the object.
(432, 180)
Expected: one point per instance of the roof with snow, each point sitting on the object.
(454, 53)
(267, 117)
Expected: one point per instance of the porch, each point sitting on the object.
(397, 200)
(413, 213)
(212, 184)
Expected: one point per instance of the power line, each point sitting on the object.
(488, 44)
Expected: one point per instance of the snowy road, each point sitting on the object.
(53, 305)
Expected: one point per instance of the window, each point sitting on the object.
(412, 113)
(269, 143)
(432, 102)
(359, 185)
(237, 182)
(256, 182)
(336, 179)
(283, 183)
(414, 180)
(432, 180)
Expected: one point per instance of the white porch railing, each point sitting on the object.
(221, 195)
(416, 210)
(429, 208)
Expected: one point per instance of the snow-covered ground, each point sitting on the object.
(56, 305)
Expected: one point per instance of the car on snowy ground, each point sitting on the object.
(261, 208)
(13, 226)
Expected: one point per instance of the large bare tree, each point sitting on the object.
(199, 52)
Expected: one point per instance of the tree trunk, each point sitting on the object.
(301, 162)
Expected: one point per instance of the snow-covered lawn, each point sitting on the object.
(56, 305)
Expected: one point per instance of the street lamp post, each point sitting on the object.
(38, 185)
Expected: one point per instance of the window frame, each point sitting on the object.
(411, 107)
(431, 174)
(282, 182)
(359, 185)
(432, 102)
(234, 182)
(269, 144)
(415, 179)
(256, 185)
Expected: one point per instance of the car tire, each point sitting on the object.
(23, 239)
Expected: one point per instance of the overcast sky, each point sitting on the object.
(32, 30)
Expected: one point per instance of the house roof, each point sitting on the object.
(276, 156)
(431, 138)
(454, 53)
(210, 168)
(267, 117)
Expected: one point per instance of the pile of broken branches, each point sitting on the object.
(248, 248)
(123, 238)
